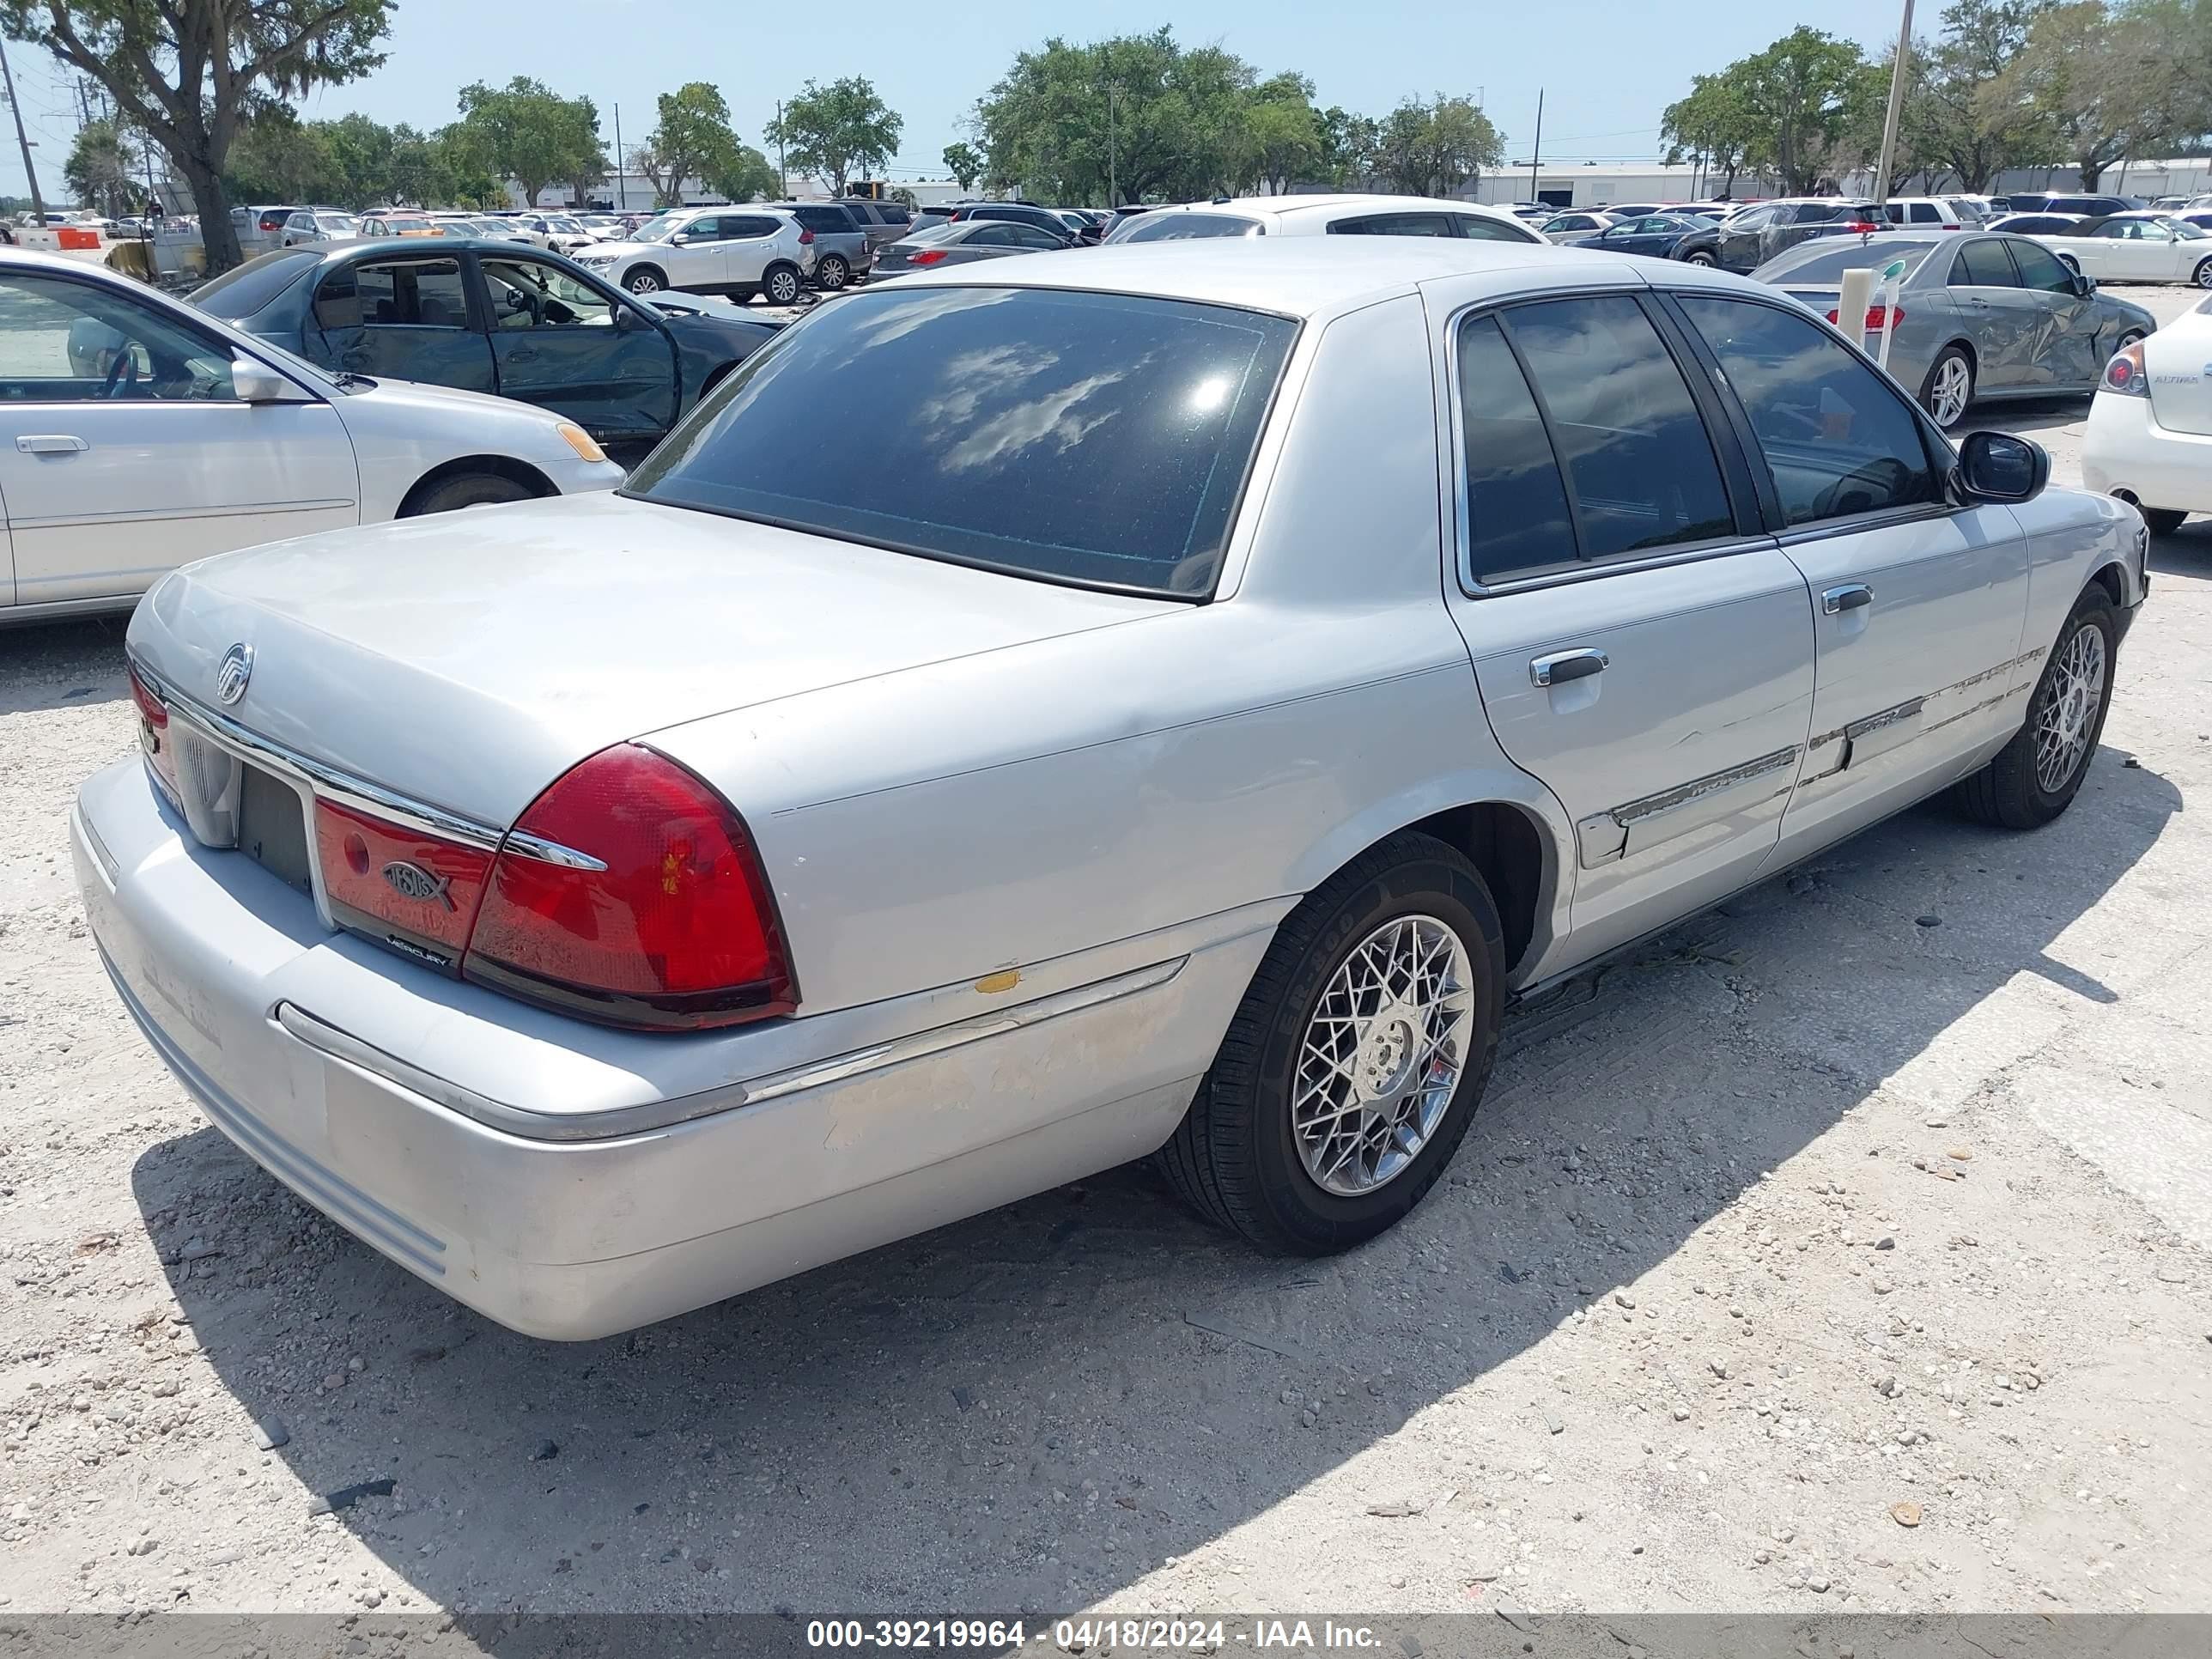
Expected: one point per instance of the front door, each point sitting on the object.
(401, 316)
(1640, 644)
(567, 345)
(2065, 338)
(2008, 322)
(124, 450)
(1918, 605)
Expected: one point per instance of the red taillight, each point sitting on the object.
(1876, 316)
(1862, 228)
(153, 732)
(2125, 373)
(805, 237)
(928, 256)
(388, 879)
(676, 926)
(272, 222)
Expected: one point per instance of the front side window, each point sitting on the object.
(1639, 460)
(2039, 269)
(394, 293)
(64, 342)
(1393, 224)
(526, 294)
(1517, 520)
(1090, 437)
(1189, 227)
(1837, 439)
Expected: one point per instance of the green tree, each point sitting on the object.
(965, 163)
(743, 173)
(1961, 110)
(692, 139)
(2111, 83)
(279, 158)
(1807, 95)
(1433, 148)
(189, 72)
(839, 129)
(1715, 126)
(103, 169)
(1346, 144)
(527, 133)
(415, 174)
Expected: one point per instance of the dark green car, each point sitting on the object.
(492, 316)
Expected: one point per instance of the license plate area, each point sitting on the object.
(272, 829)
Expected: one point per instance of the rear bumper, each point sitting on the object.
(2124, 449)
(598, 1201)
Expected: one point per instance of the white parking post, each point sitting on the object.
(1892, 286)
(1851, 304)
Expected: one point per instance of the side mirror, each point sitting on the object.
(2084, 284)
(255, 382)
(1996, 466)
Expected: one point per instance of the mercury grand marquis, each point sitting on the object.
(1165, 701)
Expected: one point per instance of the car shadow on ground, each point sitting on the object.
(2186, 552)
(1030, 1409)
(61, 665)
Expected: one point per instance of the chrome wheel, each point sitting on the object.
(2067, 712)
(2203, 278)
(1954, 388)
(643, 282)
(831, 273)
(1383, 1055)
(782, 287)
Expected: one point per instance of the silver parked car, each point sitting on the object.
(965, 242)
(1168, 700)
(1979, 316)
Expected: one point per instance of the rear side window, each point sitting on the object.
(1088, 438)
(891, 213)
(746, 227)
(244, 289)
(1518, 520)
(1983, 263)
(1476, 228)
(1639, 463)
(1189, 227)
(1393, 224)
(1837, 439)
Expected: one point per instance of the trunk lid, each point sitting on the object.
(2178, 367)
(466, 661)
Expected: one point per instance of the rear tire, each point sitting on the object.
(1949, 391)
(1418, 1046)
(2036, 776)
(832, 273)
(467, 489)
(780, 284)
(2162, 520)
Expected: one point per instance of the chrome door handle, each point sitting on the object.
(50, 443)
(1852, 597)
(1563, 665)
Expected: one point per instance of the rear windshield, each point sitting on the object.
(1088, 438)
(1186, 227)
(244, 289)
(1827, 262)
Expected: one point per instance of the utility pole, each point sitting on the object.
(1896, 107)
(22, 138)
(783, 183)
(1113, 181)
(622, 195)
(1536, 155)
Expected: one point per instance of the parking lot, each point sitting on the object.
(1848, 1247)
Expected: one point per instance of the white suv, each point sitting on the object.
(738, 250)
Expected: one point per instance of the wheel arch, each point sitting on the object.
(505, 466)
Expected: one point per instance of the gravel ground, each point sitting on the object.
(1846, 1249)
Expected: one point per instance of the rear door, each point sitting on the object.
(2007, 323)
(125, 449)
(750, 246)
(1640, 644)
(1918, 604)
(407, 316)
(584, 351)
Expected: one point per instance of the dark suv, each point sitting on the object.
(1749, 239)
(842, 248)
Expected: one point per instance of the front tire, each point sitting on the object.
(2204, 277)
(832, 273)
(780, 284)
(1948, 391)
(1355, 1059)
(2036, 776)
(645, 280)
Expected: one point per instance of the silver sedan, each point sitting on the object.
(1166, 701)
(1980, 316)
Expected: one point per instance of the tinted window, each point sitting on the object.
(1476, 228)
(997, 235)
(1085, 437)
(830, 219)
(746, 226)
(1837, 439)
(1187, 226)
(892, 214)
(2039, 269)
(1637, 456)
(244, 289)
(1983, 264)
(1518, 520)
(417, 293)
(1393, 224)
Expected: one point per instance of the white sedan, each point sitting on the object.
(2136, 248)
(137, 434)
(1326, 216)
(2149, 437)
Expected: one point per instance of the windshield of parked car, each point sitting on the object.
(658, 228)
(1187, 226)
(244, 289)
(1094, 438)
(1827, 262)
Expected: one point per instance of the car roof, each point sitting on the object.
(1284, 207)
(1310, 277)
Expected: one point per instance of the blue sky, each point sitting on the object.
(1609, 67)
